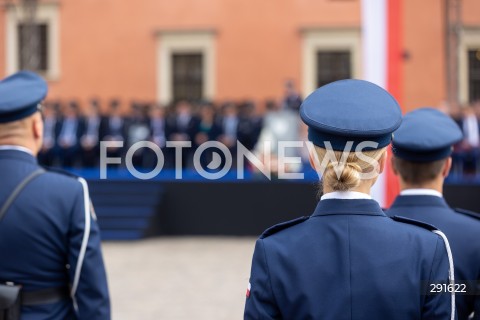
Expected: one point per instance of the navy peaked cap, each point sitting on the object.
(351, 110)
(20, 95)
(426, 135)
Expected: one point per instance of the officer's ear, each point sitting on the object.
(446, 167)
(37, 126)
(393, 165)
(381, 162)
(313, 158)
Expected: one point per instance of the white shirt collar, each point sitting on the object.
(18, 148)
(345, 195)
(421, 192)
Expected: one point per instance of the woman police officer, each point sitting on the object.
(348, 260)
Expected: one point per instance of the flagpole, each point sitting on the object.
(374, 57)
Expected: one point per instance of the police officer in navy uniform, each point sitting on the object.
(49, 238)
(348, 260)
(422, 149)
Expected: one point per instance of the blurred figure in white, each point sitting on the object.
(471, 143)
(279, 125)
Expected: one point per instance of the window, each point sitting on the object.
(469, 65)
(332, 66)
(33, 47)
(187, 76)
(474, 75)
(329, 54)
(185, 65)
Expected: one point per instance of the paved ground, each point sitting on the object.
(179, 278)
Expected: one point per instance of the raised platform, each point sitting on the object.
(131, 209)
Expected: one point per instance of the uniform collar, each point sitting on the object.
(367, 207)
(419, 200)
(18, 148)
(17, 152)
(346, 195)
(421, 192)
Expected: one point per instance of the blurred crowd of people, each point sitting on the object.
(466, 154)
(72, 133)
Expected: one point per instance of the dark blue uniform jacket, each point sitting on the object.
(41, 237)
(463, 233)
(347, 261)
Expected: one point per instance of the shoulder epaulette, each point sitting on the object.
(468, 213)
(61, 171)
(415, 222)
(281, 226)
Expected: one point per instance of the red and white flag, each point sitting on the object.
(382, 58)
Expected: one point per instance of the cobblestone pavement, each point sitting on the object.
(194, 278)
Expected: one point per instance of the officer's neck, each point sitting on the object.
(17, 136)
(16, 133)
(365, 186)
(436, 184)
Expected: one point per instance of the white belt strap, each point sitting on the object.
(83, 248)
(451, 271)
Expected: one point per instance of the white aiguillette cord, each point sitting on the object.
(83, 248)
(451, 273)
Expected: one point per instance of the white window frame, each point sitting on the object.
(47, 13)
(171, 42)
(469, 39)
(328, 39)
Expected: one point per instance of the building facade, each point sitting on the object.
(231, 49)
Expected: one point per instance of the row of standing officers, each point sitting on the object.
(348, 260)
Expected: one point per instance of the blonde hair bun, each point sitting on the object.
(342, 176)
